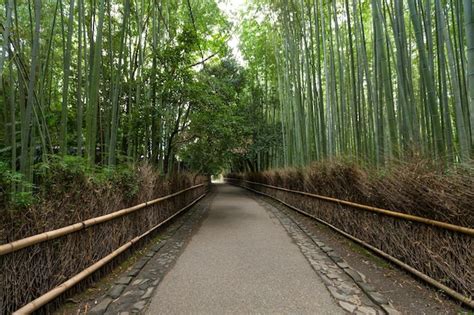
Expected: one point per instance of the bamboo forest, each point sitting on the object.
(119, 82)
(108, 104)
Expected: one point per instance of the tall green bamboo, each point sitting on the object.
(93, 101)
(66, 74)
(116, 89)
(469, 25)
(378, 79)
(27, 123)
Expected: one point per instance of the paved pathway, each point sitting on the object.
(241, 260)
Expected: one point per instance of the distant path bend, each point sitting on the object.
(241, 260)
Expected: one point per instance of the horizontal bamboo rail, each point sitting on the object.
(454, 294)
(54, 293)
(409, 217)
(38, 238)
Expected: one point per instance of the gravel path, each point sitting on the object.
(241, 260)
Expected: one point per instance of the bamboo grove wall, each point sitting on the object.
(32, 271)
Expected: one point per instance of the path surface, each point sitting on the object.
(241, 260)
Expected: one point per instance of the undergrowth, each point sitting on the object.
(9, 195)
(67, 190)
(61, 175)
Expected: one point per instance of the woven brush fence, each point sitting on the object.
(444, 255)
(34, 270)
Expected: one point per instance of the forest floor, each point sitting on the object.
(239, 253)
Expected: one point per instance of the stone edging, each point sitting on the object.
(132, 292)
(348, 298)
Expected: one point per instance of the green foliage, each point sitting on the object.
(373, 79)
(10, 197)
(65, 173)
(62, 175)
(378, 80)
(131, 104)
(229, 128)
(216, 128)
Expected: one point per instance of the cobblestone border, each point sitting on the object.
(346, 285)
(132, 292)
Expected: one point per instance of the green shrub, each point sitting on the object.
(15, 191)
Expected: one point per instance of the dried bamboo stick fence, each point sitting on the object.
(113, 234)
(38, 238)
(409, 217)
(442, 227)
(52, 294)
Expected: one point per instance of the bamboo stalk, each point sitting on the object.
(52, 294)
(38, 238)
(409, 217)
(464, 299)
